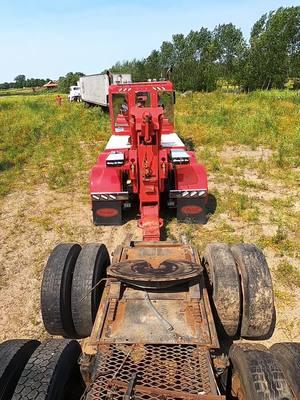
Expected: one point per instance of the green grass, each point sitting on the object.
(244, 184)
(42, 142)
(288, 275)
(284, 298)
(260, 118)
(21, 92)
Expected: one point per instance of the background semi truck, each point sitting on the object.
(74, 94)
(94, 88)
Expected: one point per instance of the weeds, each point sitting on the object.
(254, 119)
(245, 183)
(280, 235)
(290, 328)
(238, 205)
(284, 298)
(42, 142)
(36, 134)
(288, 275)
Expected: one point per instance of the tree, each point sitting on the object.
(153, 65)
(167, 58)
(230, 48)
(4, 85)
(71, 79)
(274, 49)
(20, 81)
(200, 70)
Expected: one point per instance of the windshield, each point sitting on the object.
(120, 110)
(166, 101)
(142, 99)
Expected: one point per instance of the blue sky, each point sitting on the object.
(48, 38)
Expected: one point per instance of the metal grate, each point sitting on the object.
(161, 371)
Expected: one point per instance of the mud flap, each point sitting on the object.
(107, 212)
(192, 210)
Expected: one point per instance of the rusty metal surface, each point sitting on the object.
(156, 253)
(125, 315)
(162, 335)
(141, 273)
(163, 372)
(136, 322)
(131, 319)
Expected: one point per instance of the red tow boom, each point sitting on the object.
(145, 161)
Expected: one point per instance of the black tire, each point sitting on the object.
(52, 372)
(256, 375)
(288, 357)
(226, 292)
(56, 290)
(258, 311)
(14, 355)
(90, 268)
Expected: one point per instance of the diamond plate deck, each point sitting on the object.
(163, 372)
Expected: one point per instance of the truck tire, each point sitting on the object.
(51, 372)
(90, 268)
(288, 356)
(256, 375)
(225, 282)
(56, 290)
(14, 355)
(258, 311)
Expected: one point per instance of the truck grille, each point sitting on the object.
(163, 372)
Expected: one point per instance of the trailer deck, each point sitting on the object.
(160, 336)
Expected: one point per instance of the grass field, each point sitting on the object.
(21, 91)
(249, 143)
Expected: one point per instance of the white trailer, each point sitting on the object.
(94, 88)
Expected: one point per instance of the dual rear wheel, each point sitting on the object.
(69, 298)
(241, 288)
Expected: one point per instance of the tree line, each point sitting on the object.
(204, 59)
(64, 82)
(21, 81)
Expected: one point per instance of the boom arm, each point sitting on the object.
(145, 127)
